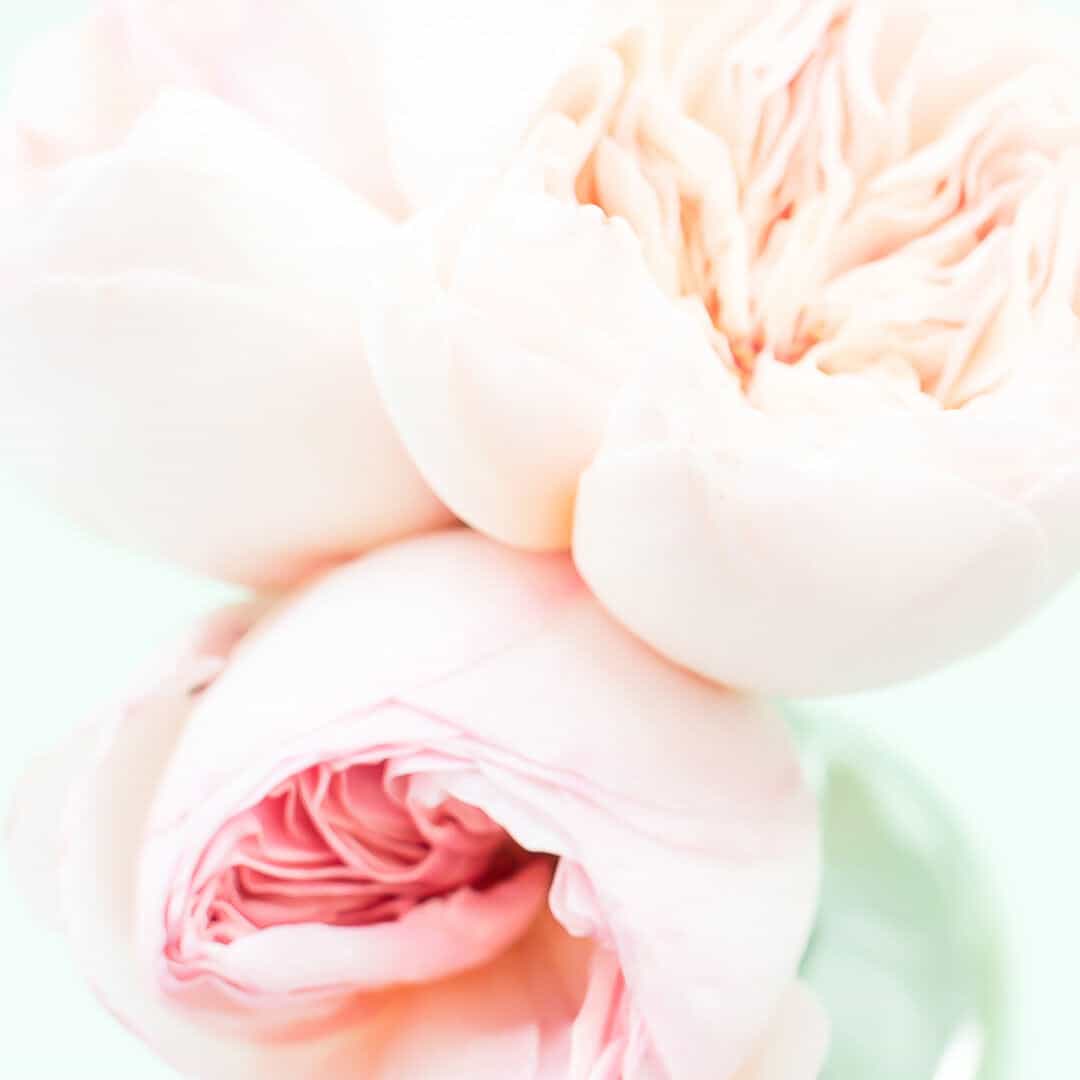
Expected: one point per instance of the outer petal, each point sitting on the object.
(529, 703)
(795, 1046)
(183, 367)
(98, 833)
(461, 93)
(402, 98)
(76, 91)
(310, 69)
(97, 826)
(34, 826)
(492, 1024)
(799, 558)
(395, 97)
(501, 345)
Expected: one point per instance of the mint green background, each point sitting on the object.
(997, 736)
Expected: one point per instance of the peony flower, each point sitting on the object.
(196, 196)
(437, 816)
(774, 319)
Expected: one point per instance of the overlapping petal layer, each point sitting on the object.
(371, 790)
(838, 434)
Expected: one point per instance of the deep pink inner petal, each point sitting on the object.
(342, 846)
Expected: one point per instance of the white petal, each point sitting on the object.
(184, 368)
(498, 359)
(819, 564)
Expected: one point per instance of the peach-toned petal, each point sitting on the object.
(309, 69)
(76, 91)
(877, 476)
(499, 381)
(508, 1020)
(815, 563)
(795, 1046)
(182, 362)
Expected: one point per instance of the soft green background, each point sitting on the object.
(997, 736)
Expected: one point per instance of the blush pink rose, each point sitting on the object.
(437, 816)
(774, 319)
(196, 197)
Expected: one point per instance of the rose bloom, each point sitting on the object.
(767, 309)
(774, 320)
(437, 816)
(196, 194)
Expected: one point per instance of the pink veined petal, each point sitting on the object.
(520, 701)
(555, 736)
(100, 820)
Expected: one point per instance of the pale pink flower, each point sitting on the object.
(775, 320)
(197, 194)
(437, 816)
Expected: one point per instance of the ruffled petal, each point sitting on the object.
(498, 358)
(647, 783)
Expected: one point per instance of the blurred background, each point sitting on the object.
(996, 738)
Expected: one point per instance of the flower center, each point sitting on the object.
(799, 184)
(344, 847)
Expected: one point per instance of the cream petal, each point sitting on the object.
(199, 188)
(500, 382)
(253, 447)
(183, 365)
(820, 564)
(309, 69)
(460, 95)
(397, 98)
(797, 1041)
(76, 91)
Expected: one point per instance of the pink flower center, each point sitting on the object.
(342, 847)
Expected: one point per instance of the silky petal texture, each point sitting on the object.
(797, 1042)
(498, 356)
(871, 248)
(183, 365)
(837, 561)
(376, 92)
(687, 837)
(99, 822)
